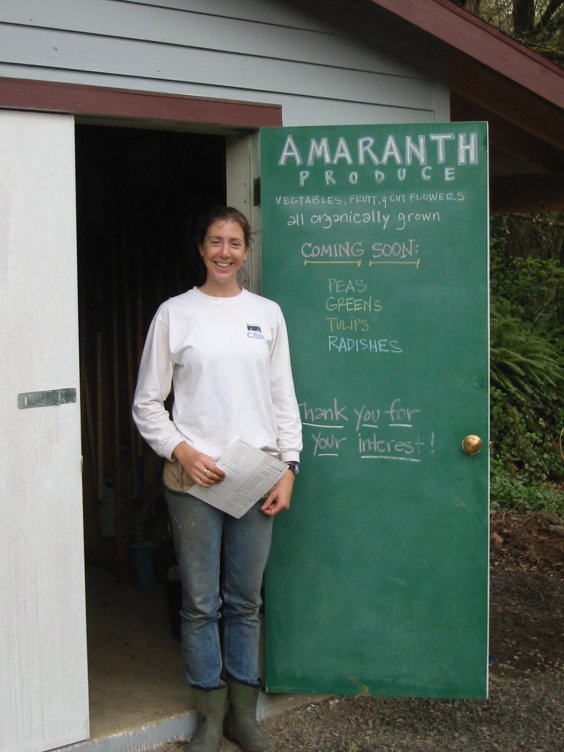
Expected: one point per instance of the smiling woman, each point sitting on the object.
(225, 351)
(224, 249)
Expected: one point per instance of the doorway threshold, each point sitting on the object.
(138, 693)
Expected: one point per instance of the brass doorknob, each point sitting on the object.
(472, 444)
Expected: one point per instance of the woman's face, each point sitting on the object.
(223, 252)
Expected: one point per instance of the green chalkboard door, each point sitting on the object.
(375, 243)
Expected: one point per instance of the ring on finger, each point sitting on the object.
(206, 470)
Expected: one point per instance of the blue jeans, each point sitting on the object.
(222, 562)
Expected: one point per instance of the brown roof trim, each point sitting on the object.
(525, 193)
(492, 94)
(104, 102)
(482, 42)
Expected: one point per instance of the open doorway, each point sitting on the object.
(139, 194)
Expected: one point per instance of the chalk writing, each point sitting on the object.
(378, 177)
(334, 262)
(420, 154)
(332, 250)
(407, 218)
(374, 447)
(351, 325)
(315, 200)
(343, 304)
(315, 416)
(416, 198)
(399, 415)
(397, 250)
(327, 221)
(439, 148)
(327, 445)
(353, 344)
(353, 305)
(416, 264)
(363, 200)
(346, 285)
(367, 417)
(379, 432)
(352, 253)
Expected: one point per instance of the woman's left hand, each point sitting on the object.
(280, 496)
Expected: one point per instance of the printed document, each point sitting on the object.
(250, 474)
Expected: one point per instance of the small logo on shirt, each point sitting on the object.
(254, 331)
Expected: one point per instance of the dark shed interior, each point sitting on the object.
(139, 195)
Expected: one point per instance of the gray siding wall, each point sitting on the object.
(324, 61)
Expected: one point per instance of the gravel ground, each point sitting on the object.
(525, 708)
(524, 712)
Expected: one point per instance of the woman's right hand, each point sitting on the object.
(200, 467)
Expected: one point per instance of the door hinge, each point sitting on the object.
(46, 398)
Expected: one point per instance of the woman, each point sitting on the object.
(224, 350)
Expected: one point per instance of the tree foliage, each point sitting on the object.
(539, 235)
(539, 24)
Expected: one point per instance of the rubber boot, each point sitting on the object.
(210, 704)
(241, 721)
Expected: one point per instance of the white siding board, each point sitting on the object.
(320, 15)
(171, 27)
(325, 112)
(50, 49)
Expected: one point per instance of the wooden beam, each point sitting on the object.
(154, 107)
(496, 95)
(544, 192)
(510, 138)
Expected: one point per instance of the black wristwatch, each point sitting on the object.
(294, 467)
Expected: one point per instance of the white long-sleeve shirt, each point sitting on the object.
(228, 362)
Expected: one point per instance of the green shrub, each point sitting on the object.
(527, 381)
(509, 491)
(525, 364)
(532, 288)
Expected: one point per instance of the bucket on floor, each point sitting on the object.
(143, 564)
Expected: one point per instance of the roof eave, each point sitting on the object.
(469, 35)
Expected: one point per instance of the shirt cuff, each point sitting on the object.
(290, 456)
(170, 445)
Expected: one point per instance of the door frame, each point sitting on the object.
(148, 108)
(238, 121)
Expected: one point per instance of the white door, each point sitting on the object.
(43, 668)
